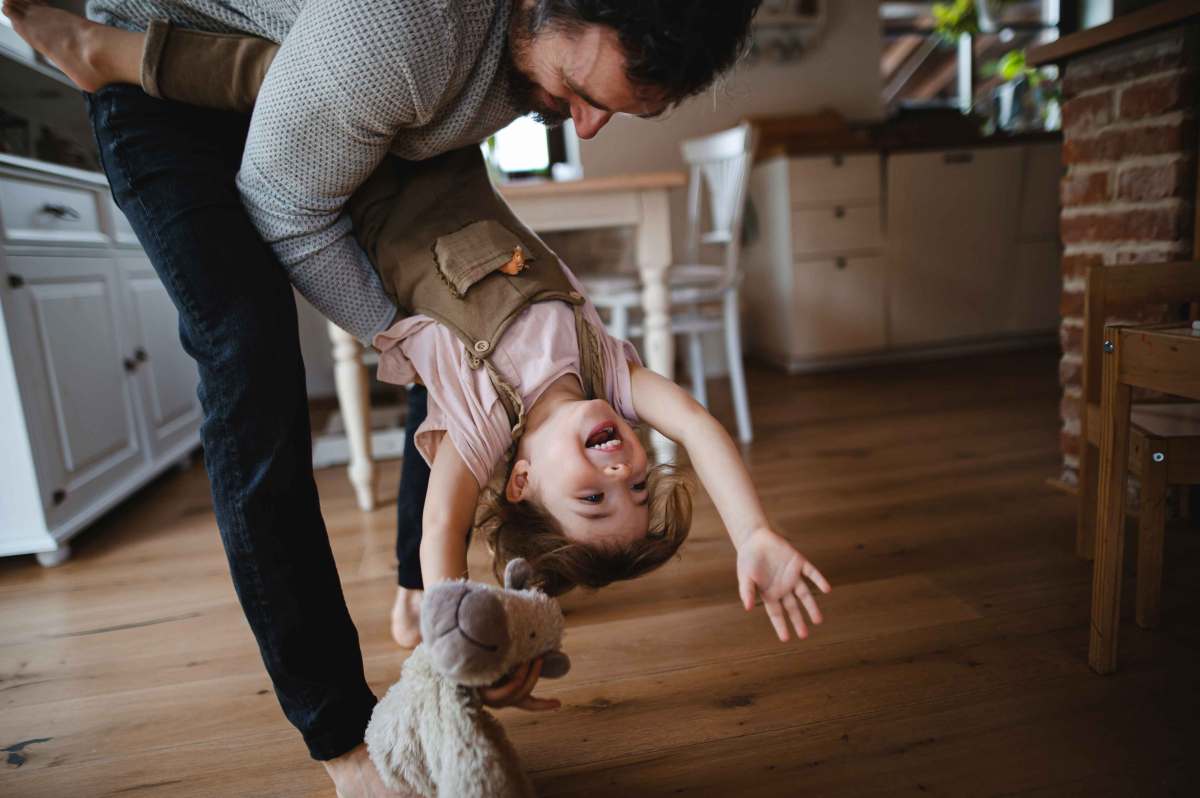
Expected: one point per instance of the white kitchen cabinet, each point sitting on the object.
(937, 249)
(96, 393)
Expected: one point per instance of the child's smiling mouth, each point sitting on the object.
(604, 438)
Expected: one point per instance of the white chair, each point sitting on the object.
(721, 164)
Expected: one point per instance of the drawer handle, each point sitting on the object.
(839, 212)
(140, 355)
(130, 364)
(840, 262)
(838, 160)
(61, 212)
(958, 157)
(15, 281)
(58, 497)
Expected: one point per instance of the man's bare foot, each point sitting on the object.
(354, 776)
(406, 617)
(69, 41)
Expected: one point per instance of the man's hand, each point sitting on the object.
(517, 690)
(770, 565)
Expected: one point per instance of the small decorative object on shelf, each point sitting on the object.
(784, 30)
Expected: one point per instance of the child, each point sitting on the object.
(519, 370)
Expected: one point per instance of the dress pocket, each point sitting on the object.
(467, 256)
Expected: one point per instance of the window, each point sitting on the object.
(528, 149)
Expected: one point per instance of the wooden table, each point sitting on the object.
(638, 201)
(1161, 357)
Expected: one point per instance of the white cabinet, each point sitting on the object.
(96, 393)
(864, 257)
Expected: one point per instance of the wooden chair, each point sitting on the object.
(1163, 436)
(719, 165)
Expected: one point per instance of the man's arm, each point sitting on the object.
(339, 89)
(450, 502)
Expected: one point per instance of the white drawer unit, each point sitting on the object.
(867, 257)
(49, 211)
(836, 229)
(97, 395)
(834, 178)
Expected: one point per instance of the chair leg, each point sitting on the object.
(1085, 523)
(1110, 512)
(737, 372)
(696, 366)
(1150, 535)
(619, 322)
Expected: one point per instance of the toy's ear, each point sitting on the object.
(517, 574)
(555, 664)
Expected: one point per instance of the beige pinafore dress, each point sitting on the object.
(437, 233)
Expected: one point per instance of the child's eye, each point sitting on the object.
(641, 486)
(594, 498)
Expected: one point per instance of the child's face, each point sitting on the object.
(586, 467)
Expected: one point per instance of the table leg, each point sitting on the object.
(354, 401)
(1110, 513)
(653, 260)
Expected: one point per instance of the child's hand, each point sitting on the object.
(517, 690)
(769, 564)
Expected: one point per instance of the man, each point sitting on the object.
(218, 199)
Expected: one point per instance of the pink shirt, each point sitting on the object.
(539, 347)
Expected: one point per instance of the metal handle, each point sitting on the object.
(839, 262)
(140, 355)
(958, 157)
(15, 281)
(839, 212)
(58, 497)
(61, 212)
(130, 365)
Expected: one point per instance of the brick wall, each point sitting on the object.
(1130, 147)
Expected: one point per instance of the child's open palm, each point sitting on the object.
(769, 565)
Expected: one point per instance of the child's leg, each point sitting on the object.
(91, 55)
(213, 70)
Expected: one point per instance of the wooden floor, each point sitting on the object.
(952, 660)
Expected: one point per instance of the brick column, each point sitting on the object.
(1130, 147)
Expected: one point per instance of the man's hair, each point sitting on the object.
(525, 529)
(676, 48)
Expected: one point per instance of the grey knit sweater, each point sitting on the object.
(353, 79)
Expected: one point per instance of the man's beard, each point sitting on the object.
(522, 91)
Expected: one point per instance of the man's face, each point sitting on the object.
(574, 74)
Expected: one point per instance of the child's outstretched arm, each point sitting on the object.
(450, 502)
(767, 563)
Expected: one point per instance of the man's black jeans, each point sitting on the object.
(172, 168)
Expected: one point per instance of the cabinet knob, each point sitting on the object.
(61, 212)
(839, 262)
(958, 157)
(58, 497)
(839, 212)
(15, 281)
(130, 364)
(140, 355)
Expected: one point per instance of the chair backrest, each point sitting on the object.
(1114, 290)
(719, 166)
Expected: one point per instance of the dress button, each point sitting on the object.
(474, 362)
(482, 346)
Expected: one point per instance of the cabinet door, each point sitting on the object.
(952, 243)
(838, 306)
(70, 356)
(166, 375)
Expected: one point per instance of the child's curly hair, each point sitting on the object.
(525, 529)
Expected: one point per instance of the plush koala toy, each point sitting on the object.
(430, 735)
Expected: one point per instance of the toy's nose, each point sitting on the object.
(455, 606)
